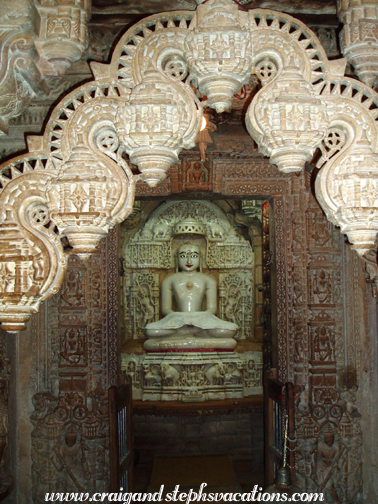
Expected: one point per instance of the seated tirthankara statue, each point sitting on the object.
(190, 327)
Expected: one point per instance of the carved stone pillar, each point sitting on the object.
(359, 37)
(65, 362)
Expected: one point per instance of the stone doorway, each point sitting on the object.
(225, 427)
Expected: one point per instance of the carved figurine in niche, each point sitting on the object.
(194, 324)
(197, 173)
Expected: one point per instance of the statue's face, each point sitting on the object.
(188, 258)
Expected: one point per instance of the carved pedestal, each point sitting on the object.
(194, 376)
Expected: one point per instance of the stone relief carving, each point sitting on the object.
(219, 63)
(28, 62)
(77, 347)
(101, 198)
(151, 247)
(312, 234)
(62, 34)
(67, 434)
(322, 247)
(195, 376)
(197, 174)
(359, 37)
(236, 300)
(141, 301)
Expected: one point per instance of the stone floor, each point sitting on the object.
(244, 470)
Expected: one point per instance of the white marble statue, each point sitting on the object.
(194, 324)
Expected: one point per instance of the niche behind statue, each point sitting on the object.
(198, 371)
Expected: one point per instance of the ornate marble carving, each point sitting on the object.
(64, 194)
(162, 117)
(287, 120)
(359, 37)
(151, 247)
(20, 77)
(28, 61)
(348, 198)
(62, 32)
(218, 50)
(90, 129)
(329, 95)
(236, 300)
(194, 376)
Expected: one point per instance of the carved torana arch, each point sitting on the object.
(75, 183)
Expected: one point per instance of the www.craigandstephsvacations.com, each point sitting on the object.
(256, 495)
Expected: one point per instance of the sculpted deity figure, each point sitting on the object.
(194, 323)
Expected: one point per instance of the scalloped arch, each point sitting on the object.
(75, 177)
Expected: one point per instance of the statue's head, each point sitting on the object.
(188, 257)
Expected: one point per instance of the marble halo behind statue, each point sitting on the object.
(190, 327)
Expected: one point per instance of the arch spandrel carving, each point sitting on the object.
(141, 106)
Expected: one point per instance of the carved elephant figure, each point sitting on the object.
(215, 374)
(233, 374)
(216, 230)
(146, 233)
(170, 375)
(152, 376)
(161, 229)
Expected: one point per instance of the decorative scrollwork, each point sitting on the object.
(332, 143)
(106, 140)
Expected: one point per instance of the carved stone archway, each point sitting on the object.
(75, 183)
